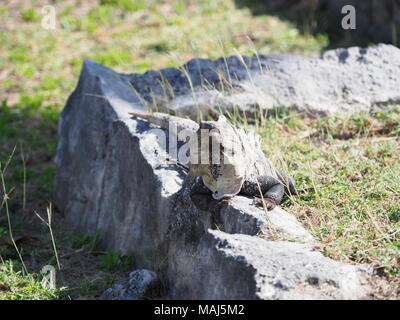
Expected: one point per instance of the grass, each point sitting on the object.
(351, 161)
(353, 165)
(39, 69)
(112, 261)
(14, 285)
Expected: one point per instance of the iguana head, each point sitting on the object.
(218, 157)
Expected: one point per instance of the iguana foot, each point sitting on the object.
(269, 203)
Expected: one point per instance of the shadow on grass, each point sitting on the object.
(32, 130)
(315, 17)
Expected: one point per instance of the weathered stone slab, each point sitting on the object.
(341, 81)
(247, 267)
(111, 176)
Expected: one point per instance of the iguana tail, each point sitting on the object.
(168, 122)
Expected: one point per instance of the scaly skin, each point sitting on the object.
(257, 177)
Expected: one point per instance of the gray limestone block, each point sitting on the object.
(112, 176)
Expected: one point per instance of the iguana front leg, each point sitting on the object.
(272, 197)
(271, 189)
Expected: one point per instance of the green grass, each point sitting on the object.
(148, 35)
(352, 162)
(29, 15)
(39, 68)
(15, 285)
(112, 261)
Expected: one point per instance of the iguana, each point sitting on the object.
(242, 166)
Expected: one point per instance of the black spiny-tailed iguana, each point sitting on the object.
(237, 166)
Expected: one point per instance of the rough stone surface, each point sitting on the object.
(246, 267)
(141, 284)
(341, 81)
(111, 177)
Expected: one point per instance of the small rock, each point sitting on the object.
(140, 285)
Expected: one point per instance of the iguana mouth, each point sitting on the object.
(226, 185)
